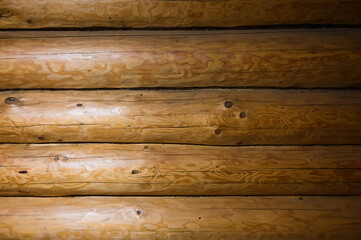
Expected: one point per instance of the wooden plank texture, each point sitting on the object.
(154, 169)
(181, 218)
(210, 117)
(179, 13)
(276, 58)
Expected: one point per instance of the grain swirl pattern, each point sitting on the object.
(155, 169)
(180, 13)
(181, 218)
(278, 58)
(210, 117)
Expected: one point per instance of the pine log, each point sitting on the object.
(209, 117)
(181, 218)
(155, 169)
(263, 58)
(175, 13)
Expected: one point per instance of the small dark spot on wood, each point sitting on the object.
(135, 172)
(141, 94)
(5, 13)
(239, 143)
(145, 147)
(282, 108)
(200, 218)
(89, 70)
(79, 105)
(60, 140)
(218, 131)
(280, 82)
(300, 198)
(41, 138)
(242, 115)
(228, 104)
(110, 17)
(311, 159)
(56, 158)
(23, 172)
(139, 212)
(217, 166)
(29, 21)
(11, 100)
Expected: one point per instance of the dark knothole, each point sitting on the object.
(11, 100)
(228, 104)
(23, 172)
(217, 131)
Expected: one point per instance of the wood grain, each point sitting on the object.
(210, 117)
(278, 58)
(180, 13)
(181, 218)
(155, 169)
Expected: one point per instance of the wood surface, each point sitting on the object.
(209, 117)
(181, 218)
(179, 13)
(263, 58)
(155, 169)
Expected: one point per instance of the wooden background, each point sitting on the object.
(152, 119)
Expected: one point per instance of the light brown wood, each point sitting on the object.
(154, 169)
(170, 13)
(273, 58)
(181, 218)
(211, 117)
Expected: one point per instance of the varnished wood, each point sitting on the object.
(211, 117)
(181, 218)
(273, 58)
(153, 169)
(180, 13)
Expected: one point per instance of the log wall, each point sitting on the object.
(250, 131)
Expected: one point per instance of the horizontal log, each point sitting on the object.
(181, 218)
(210, 117)
(278, 58)
(181, 13)
(132, 169)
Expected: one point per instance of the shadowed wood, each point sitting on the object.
(210, 117)
(169, 13)
(132, 169)
(277, 58)
(181, 218)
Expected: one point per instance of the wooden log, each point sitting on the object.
(276, 58)
(169, 13)
(210, 117)
(181, 218)
(132, 169)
